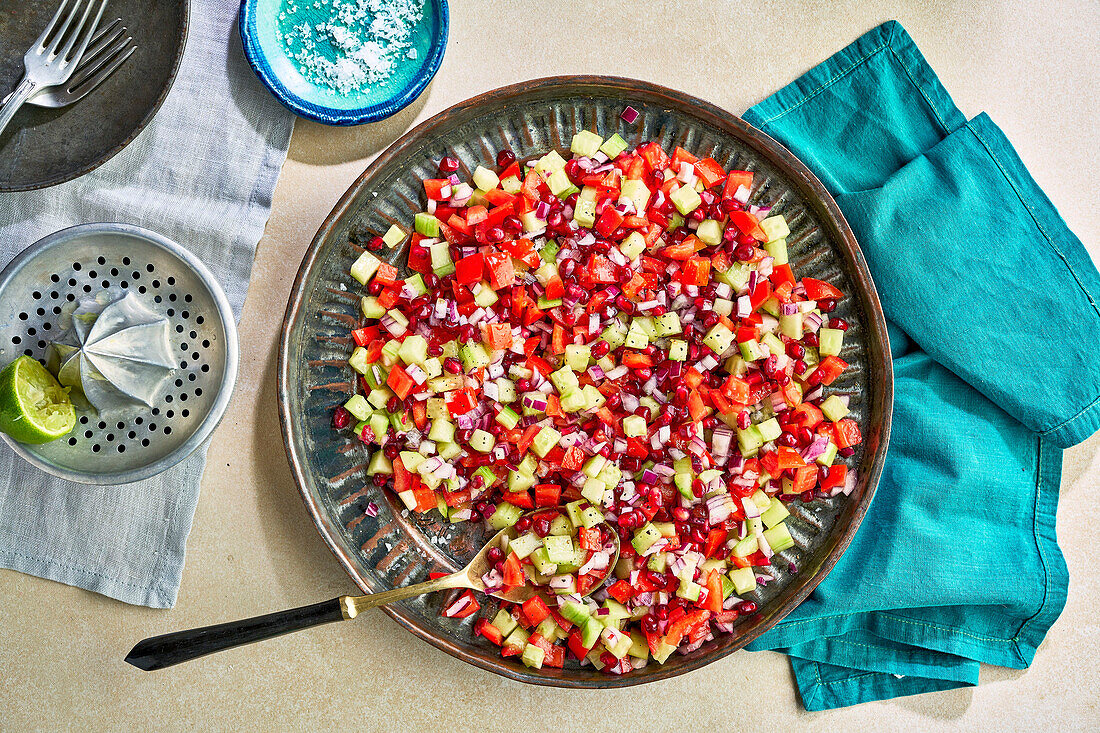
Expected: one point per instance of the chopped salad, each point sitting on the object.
(617, 336)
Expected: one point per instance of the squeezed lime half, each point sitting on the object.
(34, 407)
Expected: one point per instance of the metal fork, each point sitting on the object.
(51, 64)
(108, 50)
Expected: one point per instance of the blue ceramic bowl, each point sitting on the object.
(264, 22)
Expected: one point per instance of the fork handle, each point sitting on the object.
(15, 100)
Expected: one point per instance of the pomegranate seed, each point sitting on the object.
(512, 224)
(573, 170)
(787, 439)
(341, 418)
(746, 607)
(743, 420)
(827, 306)
(523, 524)
(805, 437)
(495, 555)
(375, 244)
(448, 165)
(467, 332)
(847, 452)
(838, 323)
(567, 267)
(542, 526)
(744, 252)
(796, 350)
(810, 339)
(390, 451)
(452, 365)
(807, 496)
(374, 288)
(555, 220)
(650, 624)
(380, 480)
(505, 158)
(495, 234)
(600, 349)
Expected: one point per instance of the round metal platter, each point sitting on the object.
(396, 548)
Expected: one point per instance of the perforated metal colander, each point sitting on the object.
(124, 446)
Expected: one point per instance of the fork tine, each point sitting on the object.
(89, 77)
(60, 35)
(83, 33)
(103, 38)
(51, 26)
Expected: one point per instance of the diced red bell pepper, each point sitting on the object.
(608, 222)
(490, 632)
(788, 458)
(589, 538)
(734, 180)
(468, 269)
(513, 571)
(386, 274)
(555, 288)
(828, 370)
(713, 602)
(804, 479)
(807, 415)
(748, 224)
(601, 269)
(555, 657)
(782, 275)
(576, 646)
(460, 401)
(502, 273)
(363, 336)
(420, 259)
(400, 382)
(820, 290)
(709, 171)
(547, 495)
(433, 187)
(655, 157)
(684, 624)
(696, 271)
(420, 414)
(621, 591)
(715, 538)
(512, 171)
(498, 335)
(838, 473)
(847, 433)
(389, 296)
(679, 155)
(573, 459)
(425, 497)
(464, 606)
(476, 215)
(535, 609)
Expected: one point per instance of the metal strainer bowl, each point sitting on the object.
(76, 263)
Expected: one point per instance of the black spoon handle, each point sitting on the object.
(183, 646)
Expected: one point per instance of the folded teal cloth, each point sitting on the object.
(992, 308)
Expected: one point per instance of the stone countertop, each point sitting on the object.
(1033, 66)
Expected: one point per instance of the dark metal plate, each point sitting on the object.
(390, 549)
(44, 147)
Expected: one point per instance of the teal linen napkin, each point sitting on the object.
(992, 309)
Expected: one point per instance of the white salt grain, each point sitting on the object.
(360, 42)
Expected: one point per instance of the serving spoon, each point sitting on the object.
(183, 646)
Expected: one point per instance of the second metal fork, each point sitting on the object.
(107, 51)
(54, 57)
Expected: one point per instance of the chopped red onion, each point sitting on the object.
(629, 115)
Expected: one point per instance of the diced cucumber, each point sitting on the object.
(590, 632)
(667, 324)
(709, 232)
(744, 580)
(779, 537)
(558, 182)
(594, 490)
(379, 465)
(358, 407)
(775, 227)
(505, 516)
(613, 146)
(577, 356)
(533, 656)
(677, 350)
(394, 236)
(834, 408)
(585, 143)
(442, 431)
(541, 560)
(508, 418)
(719, 338)
(358, 360)
(634, 244)
(689, 590)
(505, 622)
(559, 549)
(831, 341)
(414, 349)
(591, 516)
(364, 267)
(370, 308)
(769, 429)
(546, 439)
(791, 326)
(525, 544)
(778, 250)
(561, 526)
(644, 537)
(485, 179)
(482, 441)
(585, 213)
(635, 190)
(426, 224)
(634, 426)
(576, 613)
(685, 199)
(774, 514)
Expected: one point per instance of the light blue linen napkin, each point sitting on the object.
(202, 173)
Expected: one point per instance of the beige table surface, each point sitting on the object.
(1033, 66)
